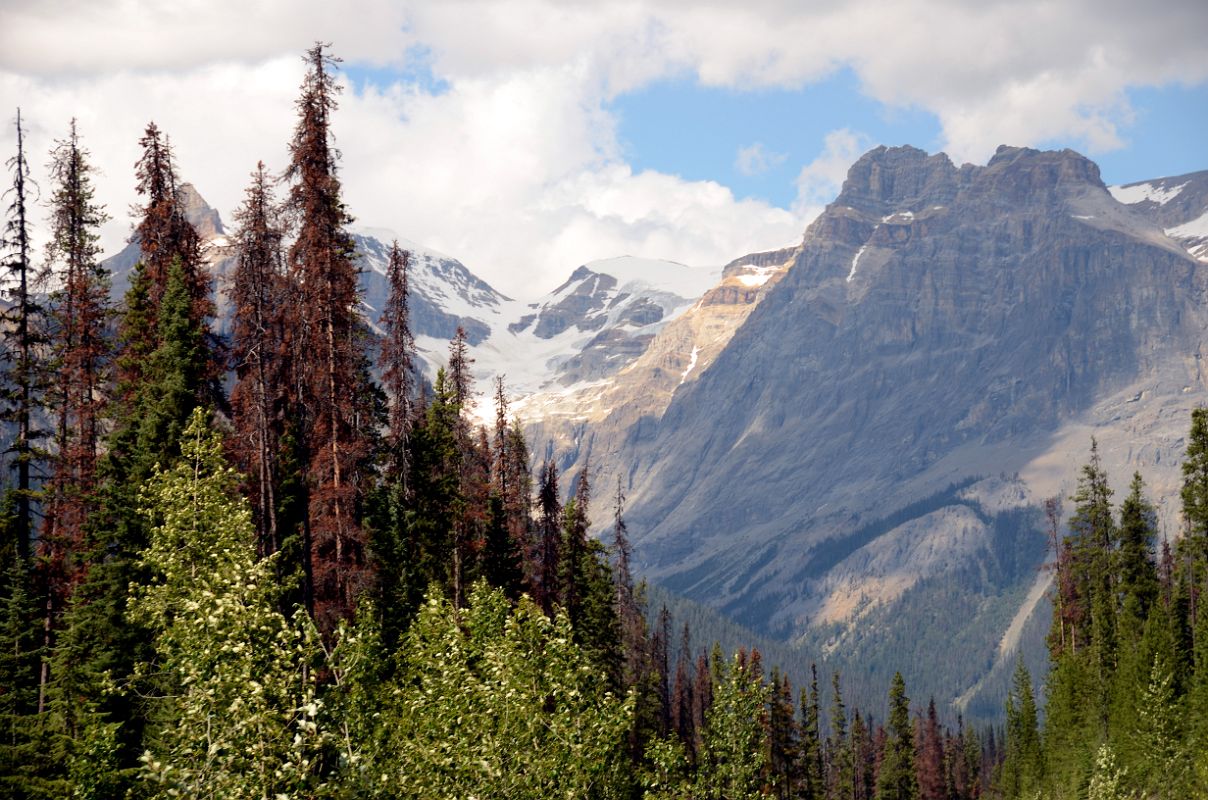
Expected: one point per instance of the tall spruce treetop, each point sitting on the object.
(1092, 519)
(258, 294)
(397, 359)
(335, 394)
(80, 351)
(548, 536)
(1023, 767)
(897, 779)
(459, 369)
(1138, 569)
(1094, 544)
(1192, 551)
(22, 337)
(164, 233)
(1195, 475)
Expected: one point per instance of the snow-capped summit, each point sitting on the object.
(444, 293)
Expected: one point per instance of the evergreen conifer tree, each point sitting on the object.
(812, 771)
(95, 690)
(1023, 768)
(840, 764)
(896, 779)
(733, 760)
(166, 240)
(1137, 568)
(397, 363)
(28, 768)
(549, 535)
(23, 338)
(932, 776)
(863, 756)
(80, 357)
(258, 291)
(335, 396)
(784, 756)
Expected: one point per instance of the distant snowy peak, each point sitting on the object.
(657, 276)
(1178, 204)
(623, 292)
(444, 293)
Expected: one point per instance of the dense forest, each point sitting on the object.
(282, 564)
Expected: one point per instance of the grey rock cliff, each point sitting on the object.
(938, 324)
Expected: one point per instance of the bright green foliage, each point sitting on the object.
(94, 768)
(353, 714)
(1108, 779)
(95, 660)
(497, 702)
(1159, 735)
(734, 759)
(668, 775)
(897, 779)
(235, 714)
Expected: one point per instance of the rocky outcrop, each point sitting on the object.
(938, 324)
(596, 424)
(204, 218)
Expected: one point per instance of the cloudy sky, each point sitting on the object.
(526, 137)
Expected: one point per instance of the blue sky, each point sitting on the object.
(695, 132)
(1168, 137)
(680, 127)
(526, 137)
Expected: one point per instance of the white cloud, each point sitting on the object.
(83, 37)
(756, 159)
(820, 180)
(517, 174)
(516, 168)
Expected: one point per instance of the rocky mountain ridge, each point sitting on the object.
(939, 327)
(589, 328)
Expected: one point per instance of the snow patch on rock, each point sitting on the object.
(855, 263)
(1140, 192)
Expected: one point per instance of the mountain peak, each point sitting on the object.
(894, 179)
(200, 214)
(897, 177)
(1047, 168)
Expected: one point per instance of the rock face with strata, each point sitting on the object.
(939, 324)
